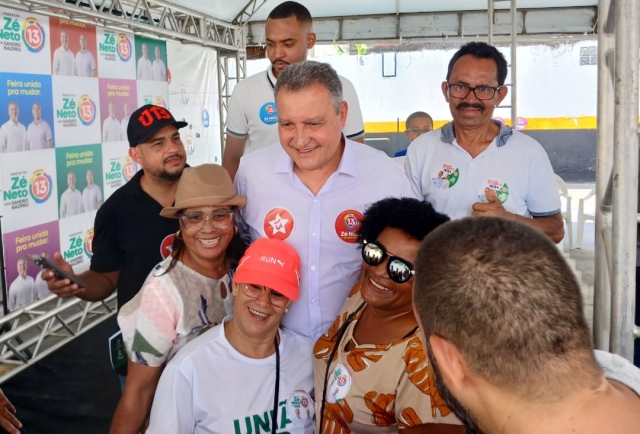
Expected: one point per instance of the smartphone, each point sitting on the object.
(44, 263)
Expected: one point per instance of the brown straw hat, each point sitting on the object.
(205, 185)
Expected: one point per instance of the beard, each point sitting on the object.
(454, 405)
(164, 175)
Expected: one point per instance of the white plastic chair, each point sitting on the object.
(583, 217)
(566, 215)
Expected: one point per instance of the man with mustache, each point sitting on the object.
(252, 118)
(488, 169)
(508, 342)
(130, 235)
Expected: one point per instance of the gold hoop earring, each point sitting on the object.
(286, 309)
(179, 235)
(235, 229)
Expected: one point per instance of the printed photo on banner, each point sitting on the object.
(151, 59)
(23, 277)
(118, 167)
(116, 54)
(150, 92)
(26, 112)
(25, 42)
(73, 48)
(79, 179)
(76, 103)
(29, 195)
(117, 100)
(76, 240)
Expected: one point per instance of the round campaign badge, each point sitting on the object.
(339, 384)
(165, 246)
(500, 187)
(268, 113)
(446, 177)
(278, 223)
(348, 224)
(300, 408)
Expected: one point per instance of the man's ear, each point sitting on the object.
(311, 41)
(134, 153)
(452, 365)
(445, 90)
(501, 94)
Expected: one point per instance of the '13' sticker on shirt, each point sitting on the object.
(348, 224)
(268, 113)
(339, 384)
(166, 246)
(278, 223)
(300, 407)
(501, 188)
(446, 177)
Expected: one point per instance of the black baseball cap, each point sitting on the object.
(148, 120)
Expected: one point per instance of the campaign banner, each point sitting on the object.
(79, 179)
(150, 92)
(76, 240)
(76, 104)
(24, 279)
(151, 60)
(118, 98)
(28, 189)
(26, 112)
(118, 167)
(116, 55)
(25, 42)
(73, 48)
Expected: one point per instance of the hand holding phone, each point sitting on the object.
(45, 263)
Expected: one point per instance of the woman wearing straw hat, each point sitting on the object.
(185, 293)
(247, 374)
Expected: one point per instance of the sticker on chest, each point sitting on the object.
(446, 177)
(278, 223)
(498, 186)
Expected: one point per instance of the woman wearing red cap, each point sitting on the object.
(246, 375)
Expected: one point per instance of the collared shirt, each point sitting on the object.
(111, 130)
(63, 62)
(514, 165)
(159, 70)
(21, 293)
(38, 134)
(91, 198)
(12, 137)
(321, 228)
(124, 123)
(42, 290)
(144, 69)
(85, 64)
(252, 111)
(70, 203)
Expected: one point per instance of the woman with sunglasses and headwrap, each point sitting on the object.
(370, 370)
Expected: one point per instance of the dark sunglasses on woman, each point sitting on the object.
(399, 270)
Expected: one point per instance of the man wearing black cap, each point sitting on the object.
(130, 235)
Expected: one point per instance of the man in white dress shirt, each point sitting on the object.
(71, 199)
(12, 133)
(85, 62)
(63, 60)
(159, 69)
(91, 195)
(144, 65)
(124, 123)
(38, 132)
(22, 290)
(111, 126)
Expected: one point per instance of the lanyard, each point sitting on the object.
(274, 421)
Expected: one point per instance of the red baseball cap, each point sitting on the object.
(272, 263)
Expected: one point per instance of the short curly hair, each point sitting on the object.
(415, 217)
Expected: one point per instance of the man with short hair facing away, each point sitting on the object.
(510, 348)
(22, 290)
(71, 199)
(252, 116)
(124, 123)
(85, 62)
(417, 124)
(13, 134)
(38, 132)
(158, 68)
(312, 188)
(91, 195)
(144, 64)
(63, 59)
(41, 289)
(477, 166)
(111, 126)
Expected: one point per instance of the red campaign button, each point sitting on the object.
(278, 223)
(348, 224)
(165, 246)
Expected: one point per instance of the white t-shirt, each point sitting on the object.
(21, 293)
(63, 62)
(210, 388)
(91, 198)
(144, 69)
(42, 291)
(514, 165)
(38, 135)
(159, 70)
(252, 111)
(85, 64)
(110, 130)
(70, 203)
(12, 137)
(617, 368)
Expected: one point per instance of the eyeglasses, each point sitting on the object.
(481, 92)
(418, 131)
(399, 270)
(195, 220)
(276, 299)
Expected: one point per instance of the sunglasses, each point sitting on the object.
(399, 270)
